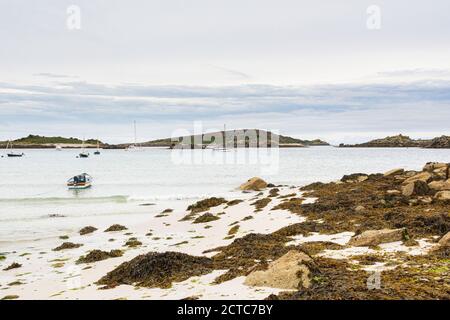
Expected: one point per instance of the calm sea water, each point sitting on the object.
(33, 188)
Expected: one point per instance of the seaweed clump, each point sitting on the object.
(206, 204)
(207, 217)
(13, 265)
(156, 269)
(87, 230)
(67, 245)
(116, 227)
(261, 204)
(99, 255)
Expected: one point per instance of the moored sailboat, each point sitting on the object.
(11, 153)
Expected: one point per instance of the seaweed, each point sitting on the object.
(67, 245)
(206, 204)
(207, 217)
(116, 227)
(99, 255)
(156, 269)
(87, 230)
(13, 265)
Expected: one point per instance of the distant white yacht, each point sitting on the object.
(135, 146)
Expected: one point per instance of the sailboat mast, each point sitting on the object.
(224, 142)
(135, 135)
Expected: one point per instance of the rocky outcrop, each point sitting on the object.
(376, 237)
(439, 185)
(399, 141)
(356, 177)
(254, 184)
(439, 143)
(290, 272)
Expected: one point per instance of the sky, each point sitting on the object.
(335, 70)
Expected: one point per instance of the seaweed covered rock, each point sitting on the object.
(291, 271)
(254, 184)
(67, 245)
(376, 237)
(87, 230)
(99, 255)
(156, 269)
(116, 227)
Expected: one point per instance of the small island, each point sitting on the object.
(402, 141)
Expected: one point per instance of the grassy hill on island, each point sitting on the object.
(234, 138)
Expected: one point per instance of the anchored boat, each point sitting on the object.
(81, 181)
(83, 153)
(11, 153)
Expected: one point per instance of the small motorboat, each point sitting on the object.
(81, 181)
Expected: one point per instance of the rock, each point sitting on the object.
(356, 177)
(423, 176)
(288, 272)
(442, 195)
(360, 208)
(416, 188)
(255, 184)
(445, 240)
(397, 192)
(375, 237)
(431, 166)
(394, 172)
(439, 185)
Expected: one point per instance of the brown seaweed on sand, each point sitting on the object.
(67, 245)
(99, 255)
(116, 227)
(207, 217)
(13, 265)
(206, 204)
(87, 230)
(156, 269)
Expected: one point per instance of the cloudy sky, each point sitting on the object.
(306, 68)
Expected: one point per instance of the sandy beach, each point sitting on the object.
(212, 226)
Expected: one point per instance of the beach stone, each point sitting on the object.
(442, 195)
(445, 240)
(394, 172)
(393, 192)
(254, 183)
(356, 177)
(431, 166)
(439, 185)
(423, 176)
(375, 237)
(416, 188)
(360, 208)
(287, 272)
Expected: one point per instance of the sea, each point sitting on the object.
(35, 202)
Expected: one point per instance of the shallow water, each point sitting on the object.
(33, 187)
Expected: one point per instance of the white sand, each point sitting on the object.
(43, 278)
